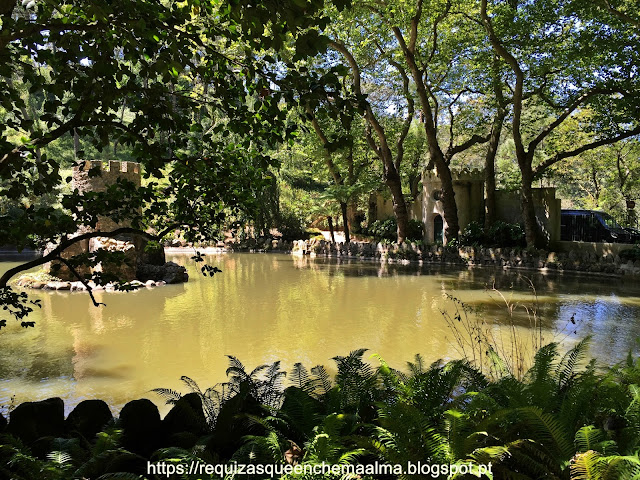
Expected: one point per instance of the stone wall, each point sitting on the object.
(468, 186)
(547, 208)
(574, 260)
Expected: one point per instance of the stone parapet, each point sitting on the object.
(516, 258)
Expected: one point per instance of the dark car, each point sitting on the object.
(593, 226)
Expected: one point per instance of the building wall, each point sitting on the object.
(384, 208)
(468, 186)
(547, 208)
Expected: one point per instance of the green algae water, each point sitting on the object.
(268, 307)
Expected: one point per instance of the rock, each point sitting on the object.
(152, 255)
(173, 273)
(150, 283)
(60, 285)
(88, 418)
(142, 427)
(32, 420)
(170, 272)
(3, 423)
(186, 416)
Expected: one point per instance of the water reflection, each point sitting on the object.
(264, 308)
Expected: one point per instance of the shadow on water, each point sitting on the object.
(473, 278)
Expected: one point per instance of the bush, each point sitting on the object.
(291, 226)
(632, 254)
(500, 234)
(384, 229)
(503, 234)
(473, 234)
(388, 229)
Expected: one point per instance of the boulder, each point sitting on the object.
(142, 427)
(174, 273)
(32, 420)
(88, 418)
(170, 272)
(186, 416)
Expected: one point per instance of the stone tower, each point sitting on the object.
(131, 245)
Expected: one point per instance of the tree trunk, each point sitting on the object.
(435, 152)
(392, 180)
(76, 144)
(372, 209)
(448, 194)
(490, 171)
(528, 208)
(345, 222)
(330, 222)
(355, 220)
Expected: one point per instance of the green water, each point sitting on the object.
(271, 307)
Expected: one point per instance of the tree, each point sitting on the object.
(337, 131)
(565, 60)
(203, 103)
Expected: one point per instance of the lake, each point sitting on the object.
(268, 307)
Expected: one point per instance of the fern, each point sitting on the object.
(567, 366)
(170, 396)
(300, 378)
(322, 381)
(120, 476)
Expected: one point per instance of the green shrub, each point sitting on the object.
(388, 229)
(415, 230)
(503, 234)
(473, 234)
(291, 226)
(632, 254)
(500, 234)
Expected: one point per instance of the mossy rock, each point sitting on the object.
(32, 420)
(88, 418)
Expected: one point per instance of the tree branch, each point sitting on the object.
(474, 140)
(67, 242)
(84, 282)
(621, 15)
(519, 87)
(589, 146)
(563, 116)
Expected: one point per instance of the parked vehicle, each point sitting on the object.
(594, 226)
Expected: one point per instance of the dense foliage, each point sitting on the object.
(564, 418)
(499, 234)
(387, 229)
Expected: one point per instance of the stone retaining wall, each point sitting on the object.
(574, 260)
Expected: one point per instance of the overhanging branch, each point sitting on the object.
(66, 243)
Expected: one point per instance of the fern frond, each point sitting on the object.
(300, 378)
(170, 396)
(191, 384)
(567, 366)
(588, 437)
(322, 380)
(120, 476)
(59, 457)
